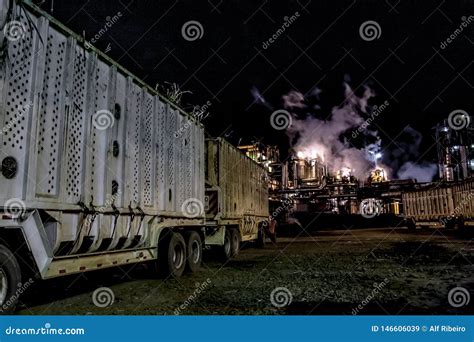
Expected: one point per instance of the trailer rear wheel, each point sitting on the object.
(194, 251)
(226, 248)
(235, 242)
(172, 258)
(10, 277)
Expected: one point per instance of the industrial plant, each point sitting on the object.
(315, 190)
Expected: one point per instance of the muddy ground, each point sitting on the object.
(376, 271)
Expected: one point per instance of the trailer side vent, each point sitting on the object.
(9, 167)
(117, 111)
(115, 148)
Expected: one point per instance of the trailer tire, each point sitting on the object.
(10, 278)
(226, 248)
(194, 251)
(172, 258)
(235, 242)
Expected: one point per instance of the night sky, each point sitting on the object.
(322, 48)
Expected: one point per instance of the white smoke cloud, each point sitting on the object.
(407, 149)
(294, 99)
(423, 172)
(323, 136)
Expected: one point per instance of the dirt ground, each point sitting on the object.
(376, 271)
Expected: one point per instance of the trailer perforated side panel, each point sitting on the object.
(161, 159)
(51, 116)
(170, 155)
(148, 152)
(76, 128)
(133, 145)
(18, 106)
(188, 160)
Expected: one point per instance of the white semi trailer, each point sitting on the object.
(448, 205)
(97, 169)
(236, 198)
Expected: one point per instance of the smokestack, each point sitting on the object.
(455, 150)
